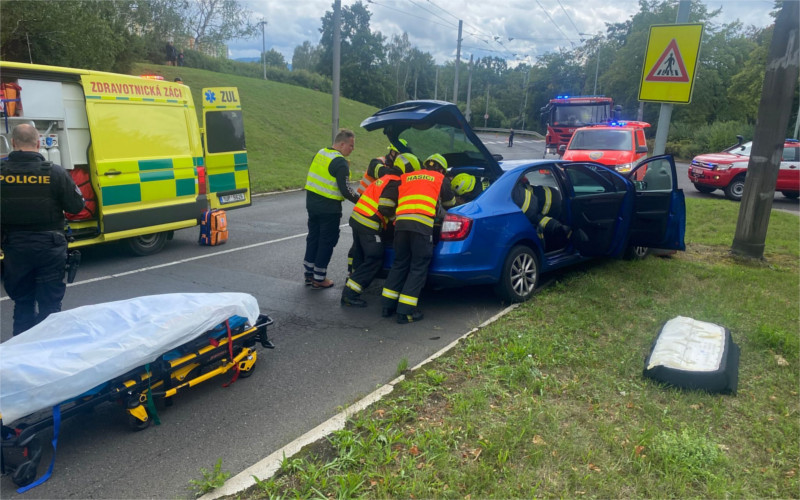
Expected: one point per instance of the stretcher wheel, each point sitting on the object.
(136, 424)
(245, 374)
(24, 474)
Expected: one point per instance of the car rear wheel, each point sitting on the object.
(792, 195)
(735, 189)
(520, 275)
(704, 189)
(147, 244)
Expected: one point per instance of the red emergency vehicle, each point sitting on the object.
(617, 144)
(564, 114)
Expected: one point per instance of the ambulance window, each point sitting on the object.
(224, 131)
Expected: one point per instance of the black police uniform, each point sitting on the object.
(34, 194)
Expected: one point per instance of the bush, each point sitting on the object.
(687, 141)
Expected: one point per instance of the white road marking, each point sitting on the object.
(183, 261)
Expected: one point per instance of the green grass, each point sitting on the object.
(285, 125)
(550, 401)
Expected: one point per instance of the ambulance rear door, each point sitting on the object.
(227, 173)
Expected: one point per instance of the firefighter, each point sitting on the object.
(542, 206)
(326, 189)
(34, 194)
(372, 214)
(379, 166)
(419, 196)
(467, 188)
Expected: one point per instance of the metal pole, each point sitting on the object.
(458, 59)
(436, 87)
(263, 48)
(486, 114)
(525, 105)
(469, 90)
(596, 70)
(665, 115)
(337, 41)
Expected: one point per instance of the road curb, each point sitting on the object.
(267, 467)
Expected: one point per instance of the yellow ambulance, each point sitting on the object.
(137, 143)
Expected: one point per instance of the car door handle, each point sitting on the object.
(112, 172)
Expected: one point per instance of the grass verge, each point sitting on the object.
(549, 401)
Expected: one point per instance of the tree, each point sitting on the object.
(362, 56)
(275, 58)
(213, 22)
(306, 56)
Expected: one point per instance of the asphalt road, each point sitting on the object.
(326, 356)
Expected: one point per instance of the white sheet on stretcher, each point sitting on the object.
(74, 351)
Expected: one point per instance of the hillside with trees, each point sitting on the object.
(380, 70)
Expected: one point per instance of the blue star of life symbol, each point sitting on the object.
(210, 97)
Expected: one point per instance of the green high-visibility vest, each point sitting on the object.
(319, 180)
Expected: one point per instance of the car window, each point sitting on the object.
(542, 177)
(445, 140)
(790, 154)
(608, 140)
(743, 150)
(654, 176)
(589, 179)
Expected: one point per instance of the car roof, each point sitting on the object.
(420, 114)
(621, 125)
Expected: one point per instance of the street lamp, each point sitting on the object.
(597, 65)
(263, 23)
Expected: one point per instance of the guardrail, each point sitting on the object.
(505, 131)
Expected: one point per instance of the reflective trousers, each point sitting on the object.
(368, 259)
(412, 256)
(323, 234)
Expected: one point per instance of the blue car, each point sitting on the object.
(490, 241)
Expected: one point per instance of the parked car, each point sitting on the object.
(616, 144)
(727, 170)
(489, 241)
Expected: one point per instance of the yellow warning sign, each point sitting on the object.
(670, 62)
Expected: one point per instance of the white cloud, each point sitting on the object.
(488, 25)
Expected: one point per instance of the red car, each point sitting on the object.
(728, 169)
(617, 144)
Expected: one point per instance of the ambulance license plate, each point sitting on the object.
(231, 198)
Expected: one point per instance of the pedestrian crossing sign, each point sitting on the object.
(670, 63)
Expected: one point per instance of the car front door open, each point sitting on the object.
(659, 212)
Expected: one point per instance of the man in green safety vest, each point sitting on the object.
(326, 189)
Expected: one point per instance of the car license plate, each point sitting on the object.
(697, 171)
(231, 198)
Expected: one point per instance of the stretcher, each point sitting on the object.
(176, 357)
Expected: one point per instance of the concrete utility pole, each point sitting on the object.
(486, 114)
(458, 59)
(337, 46)
(665, 115)
(783, 65)
(469, 90)
(263, 48)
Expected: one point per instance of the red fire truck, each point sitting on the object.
(565, 114)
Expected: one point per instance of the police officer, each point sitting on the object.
(419, 196)
(326, 189)
(34, 194)
(372, 214)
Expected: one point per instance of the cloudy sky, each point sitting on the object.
(516, 30)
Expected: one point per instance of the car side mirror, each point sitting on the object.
(562, 148)
(641, 149)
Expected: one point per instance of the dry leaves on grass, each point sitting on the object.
(413, 451)
(594, 468)
(780, 360)
(539, 440)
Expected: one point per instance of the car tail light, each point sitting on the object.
(455, 227)
(201, 180)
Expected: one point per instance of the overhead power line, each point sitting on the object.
(568, 17)
(554, 23)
